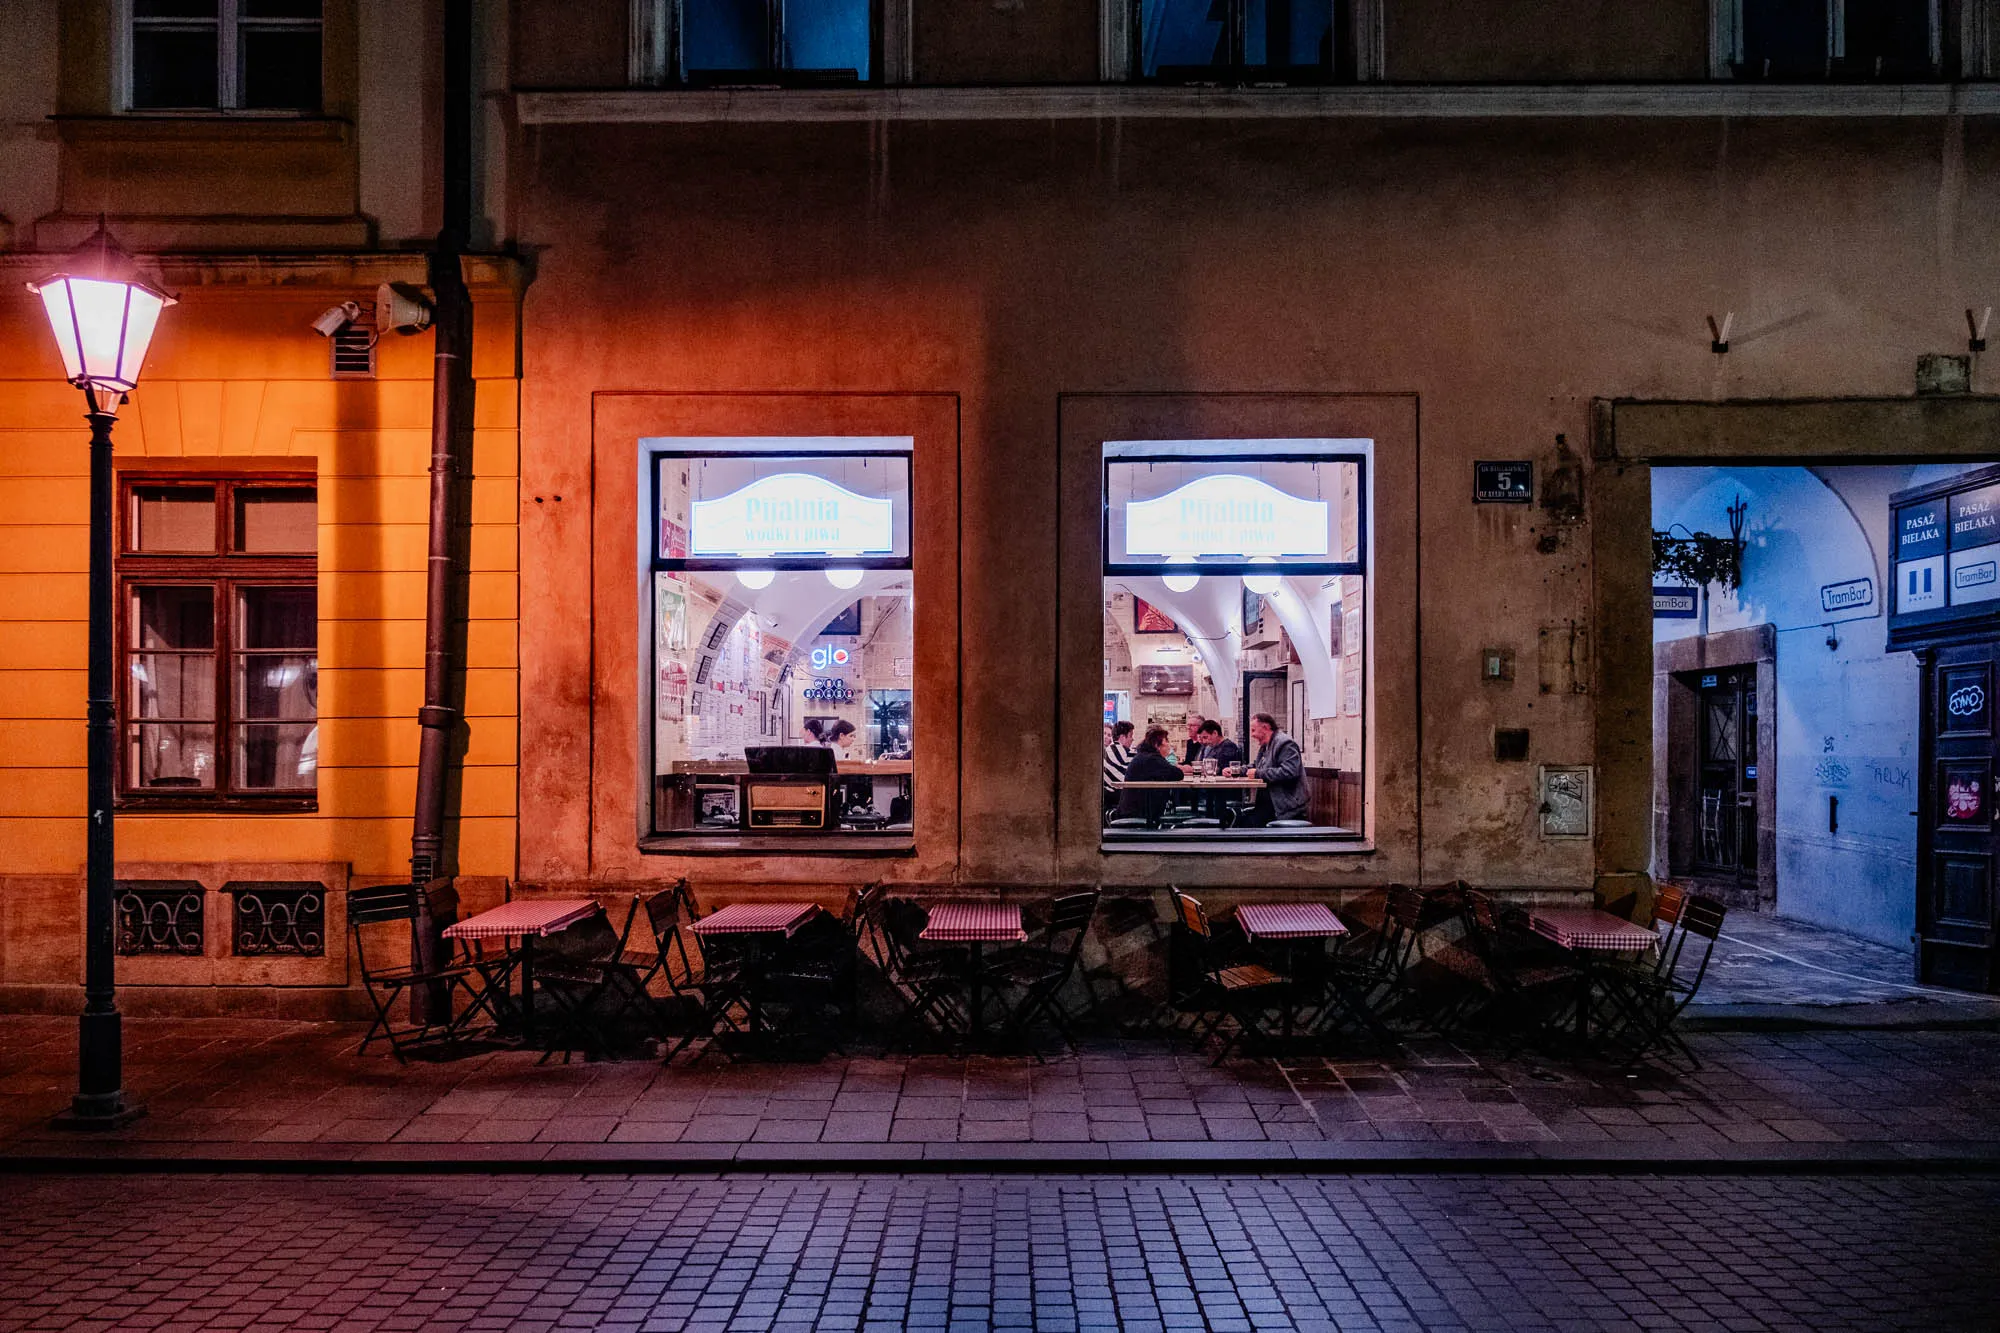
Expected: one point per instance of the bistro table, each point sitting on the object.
(1202, 786)
(1289, 923)
(755, 923)
(974, 925)
(530, 919)
(1590, 936)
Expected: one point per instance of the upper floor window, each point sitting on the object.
(218, 601)
(224, 55)
(712, 43)
(1241, 41)
(1830, 39)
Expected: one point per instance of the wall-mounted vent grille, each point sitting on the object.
(353, 353)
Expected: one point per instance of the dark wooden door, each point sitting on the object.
(1726, 773)
(1959, 834)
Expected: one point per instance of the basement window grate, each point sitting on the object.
(353, 350)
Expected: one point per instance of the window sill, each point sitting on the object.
(1369, 101)
(182, 126)
(1318, 844)
(151, 803)
(804, 844)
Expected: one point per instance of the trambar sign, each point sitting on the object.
(1228, 514)
(792, 513)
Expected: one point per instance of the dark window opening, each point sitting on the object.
(225, 55)
(1240, 41)
(789, 42)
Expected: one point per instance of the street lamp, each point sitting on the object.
(103, 316)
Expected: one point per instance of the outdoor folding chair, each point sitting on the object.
(814, 973)
(385, 985)
(924, 976)
(1240, 992)
(1652, 1005)
(716, 979)
(1529, 987)
(578, 969)
(1039, 970)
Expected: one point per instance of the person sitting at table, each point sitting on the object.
(1214, 745)
(1281, 766)
(1192, 750)
(1117, 756)
(1149, 764)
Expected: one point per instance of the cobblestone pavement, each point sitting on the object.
(831, 1253)
(1770, 960)
(264, 1089)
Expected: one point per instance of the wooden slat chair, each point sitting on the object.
(1239, 992)
(1652, 1006)
(388, 903)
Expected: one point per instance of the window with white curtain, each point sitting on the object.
(218, 599)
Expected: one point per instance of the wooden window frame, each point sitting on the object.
(229, 23)
(225, 571)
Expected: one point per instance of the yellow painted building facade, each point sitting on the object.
(239, 383)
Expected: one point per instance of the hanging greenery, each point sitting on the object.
(1699, 558)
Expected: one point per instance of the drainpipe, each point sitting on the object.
(439, 717)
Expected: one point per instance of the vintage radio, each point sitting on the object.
(785, 801)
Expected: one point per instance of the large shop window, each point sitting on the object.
(218, 615)
(1235, 642)
(782, 640)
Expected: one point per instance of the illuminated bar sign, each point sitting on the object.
(792, 513)
(1228, 514)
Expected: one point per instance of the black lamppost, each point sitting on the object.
(103, 316)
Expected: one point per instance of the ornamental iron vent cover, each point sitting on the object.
(277, 917)
(159, 916)
(353, 352)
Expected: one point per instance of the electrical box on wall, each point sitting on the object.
(1510, 744)
(1496, 664)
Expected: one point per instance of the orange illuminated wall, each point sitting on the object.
(236, 376)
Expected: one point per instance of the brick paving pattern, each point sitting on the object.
(757, 1253)
(217, 1087)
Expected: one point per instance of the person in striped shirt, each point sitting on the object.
(1117, 755)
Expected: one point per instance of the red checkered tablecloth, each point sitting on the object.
(975, 923)
(1588, 928)
(523, 916)
(756, 919)
(1288, 921)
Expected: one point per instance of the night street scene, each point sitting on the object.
(1130, 665)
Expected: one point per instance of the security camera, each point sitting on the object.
(337, 318)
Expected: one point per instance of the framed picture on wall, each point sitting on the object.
(1150, 619)
(847, 622)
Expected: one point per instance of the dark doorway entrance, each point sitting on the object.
(1264, 692)
(1726, 777)
(1957, 920)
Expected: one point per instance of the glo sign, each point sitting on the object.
(1228, 514)
(791, 513)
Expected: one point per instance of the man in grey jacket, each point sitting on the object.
(1282, 766)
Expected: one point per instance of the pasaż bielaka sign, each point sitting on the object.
(1945, 572)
